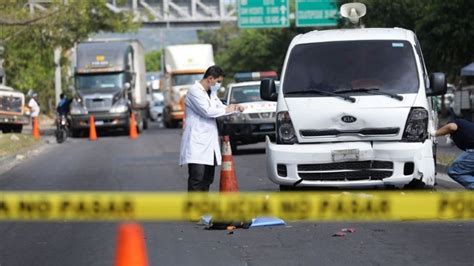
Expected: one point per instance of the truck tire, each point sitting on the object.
(166, 119)
(145, 123)
(76, 133)
(6, 129)
(17, 128)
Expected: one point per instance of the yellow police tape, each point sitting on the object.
(304, 206)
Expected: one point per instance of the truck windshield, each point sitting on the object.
(246, 94)
(382, 65)
(185, 79)
(113, 81)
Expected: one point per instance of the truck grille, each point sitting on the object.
(10, 104)
(263, 115)
(346, 171)
(98, 104)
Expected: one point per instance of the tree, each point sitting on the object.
(444, 28)
(153, 61)
(240, 50)
(29, 49)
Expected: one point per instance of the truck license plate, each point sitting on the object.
(99, 123)
(345, 155)
(266, 127)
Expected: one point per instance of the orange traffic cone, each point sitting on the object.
(92, 131)
(131, 248)
(133, 127)
(228, 181)
(36, 132)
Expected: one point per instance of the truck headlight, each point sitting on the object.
(416, 128)
(285, 131)
(77, 108)
(121, 106)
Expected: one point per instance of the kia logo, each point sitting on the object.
(348, 119)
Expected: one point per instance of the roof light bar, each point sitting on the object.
(254, 76)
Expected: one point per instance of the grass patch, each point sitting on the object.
(15, 143)
(445, 159)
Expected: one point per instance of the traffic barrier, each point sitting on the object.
(228, 180)
(36, 132)
(133, 126)
(131, 248)
(92, 131)
(242, 206)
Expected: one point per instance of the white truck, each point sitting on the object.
(352, 111)
(12, 107)
(109, 84)
(183, 65)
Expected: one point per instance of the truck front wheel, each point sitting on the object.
(17, 128)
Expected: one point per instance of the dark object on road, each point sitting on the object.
(227, 225)
(348, 230)
(339, 234)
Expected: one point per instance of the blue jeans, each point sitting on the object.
(462, 169)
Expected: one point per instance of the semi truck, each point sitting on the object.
(12, 107)
(109, 83)
(183, 65)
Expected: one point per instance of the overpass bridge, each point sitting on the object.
(167, 13)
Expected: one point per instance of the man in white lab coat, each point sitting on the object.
(34, 107)
(200, 143)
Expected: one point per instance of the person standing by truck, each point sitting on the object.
(200, 145)
(34, 108)
(462, 134)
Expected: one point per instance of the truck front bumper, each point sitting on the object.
(14, 119)
(105, 120)
(177, 115)
(376, 164)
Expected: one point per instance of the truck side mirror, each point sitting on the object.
(438, 85)
(268, 90)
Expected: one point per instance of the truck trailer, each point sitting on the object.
(109, 83)
(183, 65)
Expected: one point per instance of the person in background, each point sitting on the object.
(200, 144)
(63, 105)
(34, 107)
(462, 134)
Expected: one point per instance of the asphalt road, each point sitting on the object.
(116, 163)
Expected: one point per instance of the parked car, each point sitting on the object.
(258, 118)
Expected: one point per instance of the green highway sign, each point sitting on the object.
(316, 13)
(263, 13)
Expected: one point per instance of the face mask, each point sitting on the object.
(216, 87)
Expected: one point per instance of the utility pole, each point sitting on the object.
(57, 74)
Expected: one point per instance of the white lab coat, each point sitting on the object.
(34, 108)
(200, 139)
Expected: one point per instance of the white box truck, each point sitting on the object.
(183, 65)
(352, 111)
(109, 83)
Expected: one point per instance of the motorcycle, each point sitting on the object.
(62, 130)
